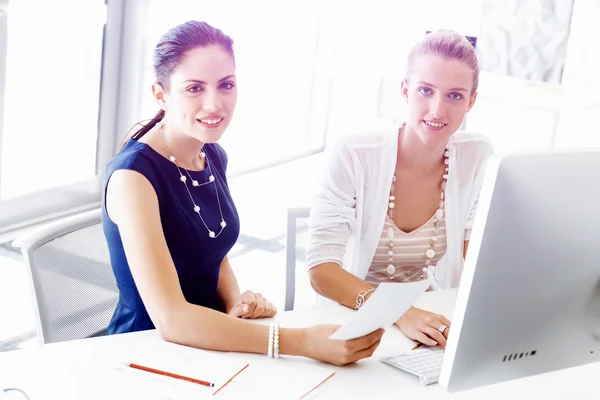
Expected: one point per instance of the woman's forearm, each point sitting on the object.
(204, 328)
(335, 283)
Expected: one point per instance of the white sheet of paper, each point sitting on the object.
(387, 303)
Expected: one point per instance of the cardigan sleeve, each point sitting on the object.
(333, 213)
(470, 219)
(485, 152)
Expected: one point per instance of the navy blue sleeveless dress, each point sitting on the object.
(197, 257)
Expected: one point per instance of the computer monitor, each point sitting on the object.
(529, 297)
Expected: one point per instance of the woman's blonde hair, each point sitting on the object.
(448, 44)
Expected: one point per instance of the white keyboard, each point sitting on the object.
(425, 363)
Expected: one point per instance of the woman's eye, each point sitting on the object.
(425, 91)
(194, 89)
(456, 96)
(227, 85)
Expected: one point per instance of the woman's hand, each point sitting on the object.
(425, 327)
(318, 346)
(252, 305)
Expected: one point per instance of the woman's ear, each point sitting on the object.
(159, 95)
(472, 100)
(404, 89)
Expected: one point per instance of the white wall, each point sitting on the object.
(577, 125)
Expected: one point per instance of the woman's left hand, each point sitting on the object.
(253, 305)
(425, 327)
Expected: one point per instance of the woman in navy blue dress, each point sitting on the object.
(170, 221)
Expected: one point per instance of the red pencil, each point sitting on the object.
(172, 375)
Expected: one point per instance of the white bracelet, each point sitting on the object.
(362, 297)
(270, 350)
(276, 341)
(273, 351)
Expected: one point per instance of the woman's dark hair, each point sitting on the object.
(168, 53)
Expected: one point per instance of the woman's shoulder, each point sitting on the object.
(367, 140)
(218, 153)
(134, 155)
(473, 150)
(141, 158)
(473, 144)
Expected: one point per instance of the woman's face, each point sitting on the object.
(202, 95)
(439, 94)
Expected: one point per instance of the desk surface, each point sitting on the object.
(74, 370)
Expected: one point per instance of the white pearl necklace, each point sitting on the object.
(439, 216)
(195, 183)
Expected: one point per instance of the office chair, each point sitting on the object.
(71, 279)
(294, 277)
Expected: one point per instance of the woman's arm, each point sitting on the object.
(486, 153)
(332, 281)
(332, 220)
(132, 204)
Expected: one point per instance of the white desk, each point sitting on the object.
(75, 370)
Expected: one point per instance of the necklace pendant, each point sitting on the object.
(195, 183)
(211, 234)
(223, 224)
(211, 178)
(439, 214)
(391, 269)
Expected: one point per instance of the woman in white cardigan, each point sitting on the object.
(398, 205)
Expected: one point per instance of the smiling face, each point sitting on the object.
(202, 94)
(439, 92)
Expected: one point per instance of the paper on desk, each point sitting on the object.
(155, 353)
(282, 379)
(387, 303)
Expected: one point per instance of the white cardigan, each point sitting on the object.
(349, 209)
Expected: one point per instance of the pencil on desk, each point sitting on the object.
(417, 346)
(230, 379)
(172, 375)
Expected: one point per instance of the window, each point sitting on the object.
(50, 82)
(51, 95)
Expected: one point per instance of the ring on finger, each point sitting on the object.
(442, 329)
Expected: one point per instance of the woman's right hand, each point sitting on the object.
(339, 352)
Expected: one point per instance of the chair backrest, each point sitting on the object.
(71, 278)
(295, 277)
